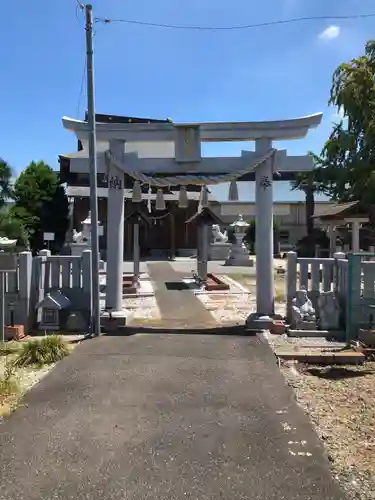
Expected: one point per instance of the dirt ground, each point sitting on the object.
(249, 282)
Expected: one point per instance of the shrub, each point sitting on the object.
(7, 348)
(42, 352)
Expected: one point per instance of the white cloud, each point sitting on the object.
(330, 33)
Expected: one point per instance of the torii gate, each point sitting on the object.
(189, 167)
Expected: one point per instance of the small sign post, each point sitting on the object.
(48, 237)
(8, 264)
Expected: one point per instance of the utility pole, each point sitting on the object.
(95, 290)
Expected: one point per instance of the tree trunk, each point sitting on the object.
(310, 208)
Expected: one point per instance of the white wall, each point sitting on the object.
(144, 149)
(290, 217)
(249, 209)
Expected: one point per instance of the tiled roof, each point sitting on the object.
(204, 216)
(339, 209)
(103, 118)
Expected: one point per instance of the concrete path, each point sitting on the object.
(178, 305)
(163, 417)
(185, 265)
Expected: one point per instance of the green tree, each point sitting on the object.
(310, 183)
(249, 237)
(6, 192)
(41, 205)
(304, 182)
(348, 157)
(12, 227)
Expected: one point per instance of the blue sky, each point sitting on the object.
(260, 74)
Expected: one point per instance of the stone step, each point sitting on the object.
(315, 333)
(322, 358)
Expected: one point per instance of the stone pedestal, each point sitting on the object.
(239, 254)
(76, 249)
(220, 251)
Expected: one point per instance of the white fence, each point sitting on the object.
(316, 275)
(36, 276)
(353, 283)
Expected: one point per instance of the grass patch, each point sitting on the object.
(42, 352)
(8, 384)
(280, 290)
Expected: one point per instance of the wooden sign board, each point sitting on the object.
(8, 262)
(187, 144)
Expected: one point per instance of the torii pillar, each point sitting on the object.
(115, 230)
(264, 230)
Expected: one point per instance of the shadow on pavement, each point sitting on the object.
(237, 330)
(338, 373)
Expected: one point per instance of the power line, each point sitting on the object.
(238, 27)
(80, 7)
(81, 88)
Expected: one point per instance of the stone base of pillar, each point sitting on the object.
(112, 321)
(258, 322)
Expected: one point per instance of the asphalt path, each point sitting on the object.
(163, 417)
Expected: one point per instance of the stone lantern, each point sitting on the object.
(239, 254)
(82, 240)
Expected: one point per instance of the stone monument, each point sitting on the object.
(303, 313)
(329, 311)
(239, 254)
(219, 249)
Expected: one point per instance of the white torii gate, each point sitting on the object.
(189, 163)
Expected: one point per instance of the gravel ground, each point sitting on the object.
(26, 379)
(340, 403)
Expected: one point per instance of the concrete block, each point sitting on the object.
(277, 327)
